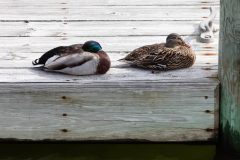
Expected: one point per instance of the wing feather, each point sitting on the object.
(143, 51)
(72, 60)
(58, 51)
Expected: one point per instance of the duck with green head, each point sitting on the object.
(173, 54)
(77, 59)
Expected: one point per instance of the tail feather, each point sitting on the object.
(127, 61)
(39, 68)
(123, 59)
(35, 62)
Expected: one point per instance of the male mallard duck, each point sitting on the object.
(174, 54)
(78, 59)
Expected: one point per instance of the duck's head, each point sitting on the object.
(174, 40)
(91, 46)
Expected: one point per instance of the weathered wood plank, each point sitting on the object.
(75, 3)
(99, 28)
(91, 111)
(119, 72)
(229, 74)
(107, 13)
(42, 44)
(194, 74)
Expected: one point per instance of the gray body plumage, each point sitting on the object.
(77, 59)
(83, 63)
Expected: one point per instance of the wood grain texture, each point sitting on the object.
(229, 74)
(106, 13)
(74, 3)
(115, 74)
(100, 29)
(102, 111)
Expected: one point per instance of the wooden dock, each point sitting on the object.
(125, 104)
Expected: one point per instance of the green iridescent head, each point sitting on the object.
(91, 46)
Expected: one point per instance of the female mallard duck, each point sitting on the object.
(78, 59)
(174, 54)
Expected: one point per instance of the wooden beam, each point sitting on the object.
(95, 110)
(229, 74)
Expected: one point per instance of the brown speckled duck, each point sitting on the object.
(174, 54)
(78, 59)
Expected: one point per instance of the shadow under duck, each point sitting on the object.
(77, 59)
(174, 54)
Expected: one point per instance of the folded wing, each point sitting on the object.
(58, 62)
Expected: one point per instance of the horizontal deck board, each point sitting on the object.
(107, 13)
(47, 3)
(204, 75)
(100, 28)
(91, 111)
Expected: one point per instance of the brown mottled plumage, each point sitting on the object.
(174, 54)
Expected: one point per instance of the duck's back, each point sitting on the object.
(60, 51)
(144, 51)
(178, 57)
(159, 57)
